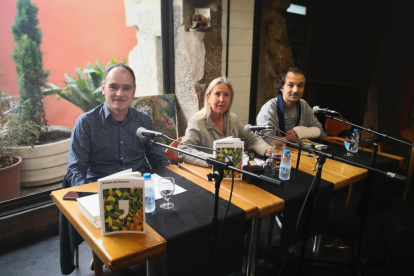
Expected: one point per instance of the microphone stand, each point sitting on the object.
(218, 168)
(370, 179)
(322, 158)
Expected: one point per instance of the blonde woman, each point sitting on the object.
(215, 122)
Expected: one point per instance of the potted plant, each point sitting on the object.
(13, 128)
(43, 164)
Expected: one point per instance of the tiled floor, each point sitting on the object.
(393, 243)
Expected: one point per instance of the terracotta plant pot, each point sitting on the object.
(10, 180)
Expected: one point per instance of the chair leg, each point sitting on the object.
(271, 228)
(407, 187)
(348, 200)
(77, 256)
(410, 174)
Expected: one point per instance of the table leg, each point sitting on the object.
(98, 265)
(151, 267)
(253, 246)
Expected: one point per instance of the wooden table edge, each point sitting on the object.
(251, 212)
(113, 265)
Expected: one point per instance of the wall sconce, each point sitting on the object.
(201, 20)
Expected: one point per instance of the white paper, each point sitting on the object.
(156, 178)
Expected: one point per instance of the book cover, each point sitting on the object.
(122, 203)
(233, 148)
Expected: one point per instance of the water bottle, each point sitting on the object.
(285, 165)
(356, 137)
(149, 193)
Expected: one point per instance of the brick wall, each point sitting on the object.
(19, 229)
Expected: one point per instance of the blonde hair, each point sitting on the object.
(205, 112)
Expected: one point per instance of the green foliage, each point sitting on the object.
(29, 65)
(85, 91)
(26, 22)
(15, 129)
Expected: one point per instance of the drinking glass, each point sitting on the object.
(270, 166)
(167, 187)
(278, 154)
(349, 142)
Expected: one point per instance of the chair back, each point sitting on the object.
(334, 127)
(173, 155)
(162, 111)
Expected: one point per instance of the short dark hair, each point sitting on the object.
(280, 82)
(109, 68)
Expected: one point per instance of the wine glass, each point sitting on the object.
(270, 165)
(167, 187)
(349, 143)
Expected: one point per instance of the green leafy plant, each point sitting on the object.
(85, 91)
(14, 127)
(29, 65)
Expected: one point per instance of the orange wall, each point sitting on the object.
(74, 32)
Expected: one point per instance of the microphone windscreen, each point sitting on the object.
(247, 128)
(139, 132)
(315, 109)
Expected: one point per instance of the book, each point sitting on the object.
(89, 207)
(233, 148)
(122, 203)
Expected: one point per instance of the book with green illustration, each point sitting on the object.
(233, 148)
(122, 203)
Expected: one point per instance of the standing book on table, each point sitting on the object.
(233, 148)
(122, 203)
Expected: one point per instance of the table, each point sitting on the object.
(135, 247)
(116, 251)
(341, 175)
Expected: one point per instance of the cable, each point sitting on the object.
(297, 225)
(222, 225)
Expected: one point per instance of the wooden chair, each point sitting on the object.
(334, 127)
(409, 135)
(173, 155)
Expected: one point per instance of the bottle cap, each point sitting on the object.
(356, 130)
(147, 176)
(287, 151)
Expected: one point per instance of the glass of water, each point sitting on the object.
(349, 143)
(167, 187)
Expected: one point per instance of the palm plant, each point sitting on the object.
(85, 91)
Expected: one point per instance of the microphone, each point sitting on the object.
(317, 109)
(144, 133)
(250, 128)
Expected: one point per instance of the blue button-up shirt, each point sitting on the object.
(100, 146)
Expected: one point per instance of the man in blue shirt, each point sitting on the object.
(104, 140)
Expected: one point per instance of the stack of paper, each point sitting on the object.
(89, 207)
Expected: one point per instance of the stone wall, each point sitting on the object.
(275, 52)
(197, 57)
(146, 57)
(197, 54)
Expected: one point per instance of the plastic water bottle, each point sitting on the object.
(285, 165)
(356, 137)
(149, 193)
